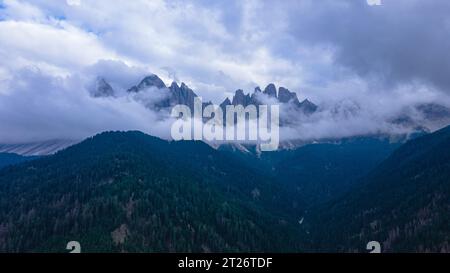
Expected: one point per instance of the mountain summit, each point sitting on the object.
(131, 192)
(147, 82)
(184, 95)
(283, 97)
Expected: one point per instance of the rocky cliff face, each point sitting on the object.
(175, 94)
(282, 97)
(102, 89)
(186, 96)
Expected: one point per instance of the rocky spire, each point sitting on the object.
(271, 91)
(184, 95)
(102, 89)
(308, 107)
(285, 96)
(147, 82)
(240, 98)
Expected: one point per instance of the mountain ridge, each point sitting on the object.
(127, 191)
(403, 203)
(184, 95)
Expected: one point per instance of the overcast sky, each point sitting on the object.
(383, 57)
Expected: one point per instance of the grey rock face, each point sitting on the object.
(147, 82)
(224, 104)
(182, 95)
(271, 91)
(185, 96)
(102, 89)
(241, 99)
(177, 94)
(308, 107)
(285, 96)
(433, 111)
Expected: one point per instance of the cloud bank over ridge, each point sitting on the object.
(362, 65)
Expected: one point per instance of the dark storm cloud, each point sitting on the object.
(401, 41)
(342, 54)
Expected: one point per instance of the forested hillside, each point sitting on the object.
(130, 192)
(8, 159)
(136, 193)
(404, 203)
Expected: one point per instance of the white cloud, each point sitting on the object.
(62, 46)
(73, 2)
(45, 107)
(215, 47)
(191, 39)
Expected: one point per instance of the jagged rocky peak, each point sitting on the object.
(186, 91)
(152, 80)
(174, 86)
(240, 98)
(102, 88)
(271, 91)
(225, 102)
(308, 107)
(185, 87)
(433, 111)
(238, 95)
(182, 95)
(285, 96)
(254, 97)
(149, 81)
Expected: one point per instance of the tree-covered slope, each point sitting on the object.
(130, 192)
(316, 173)
(8, 159)
(324, 171)
(133, 192)
(404, 203)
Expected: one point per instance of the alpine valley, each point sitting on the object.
(132, 192)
